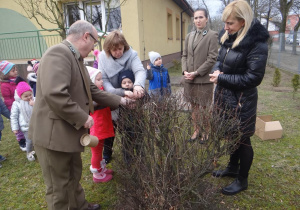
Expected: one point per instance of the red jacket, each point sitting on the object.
(103, 127)
(8, 92)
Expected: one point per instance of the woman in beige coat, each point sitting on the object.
(199, 56)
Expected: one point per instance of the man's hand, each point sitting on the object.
(126, 101)
(15, 132)
(89, 123)
(138, 91)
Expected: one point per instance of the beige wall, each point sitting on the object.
(131, 23)
(11, 4)
(144, 24)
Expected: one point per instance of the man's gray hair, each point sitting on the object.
(80, 27)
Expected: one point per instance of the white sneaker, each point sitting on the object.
(23, 149)
(103, 169)
(30, 156)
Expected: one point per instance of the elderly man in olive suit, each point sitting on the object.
(64, 98)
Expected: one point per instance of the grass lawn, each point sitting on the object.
(273, 180)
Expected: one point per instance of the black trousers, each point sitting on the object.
(242, 156)
(108, 145)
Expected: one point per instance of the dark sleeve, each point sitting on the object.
(149, 74)
(4, 111)
(169, 81)
(256, 63)
(216, 66)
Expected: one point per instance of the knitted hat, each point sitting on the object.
(5, 67)
(31, 64)
(93, 73)
(35, 67)
(96, 54)
(153, 56)
(22, 87)
(126, 74)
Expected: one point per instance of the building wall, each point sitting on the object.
(18, 22)
(151, 33)
(131, 28)
(144, 24)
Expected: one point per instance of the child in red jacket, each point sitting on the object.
(103, 129)
(9, 74)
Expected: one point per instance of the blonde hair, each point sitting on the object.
(240, 10)
(113, 40)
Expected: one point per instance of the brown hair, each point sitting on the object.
(6, 76)
(113, 40)
(203, 10)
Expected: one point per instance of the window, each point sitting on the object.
(72, 14)
(94, 14)
(92, 11)
(169, 24)
(177, 28)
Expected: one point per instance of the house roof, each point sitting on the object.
(184, 5)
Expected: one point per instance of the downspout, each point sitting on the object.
(187, 8)
(181, 35)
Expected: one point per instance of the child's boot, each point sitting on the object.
(30, 156)
(105, 170)
(99, 175)
(22, 144)
(2, 158)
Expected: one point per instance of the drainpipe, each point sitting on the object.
(181, 35)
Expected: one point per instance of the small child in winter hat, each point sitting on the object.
(93, 73)
(126, 74)
(36, 67)
(153, 56)
(22, 87)
(6, 66)
(31, 63)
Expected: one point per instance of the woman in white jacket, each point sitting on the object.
(20, 115)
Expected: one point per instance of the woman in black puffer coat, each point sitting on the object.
(239, 70)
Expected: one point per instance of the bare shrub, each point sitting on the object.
(165, 171)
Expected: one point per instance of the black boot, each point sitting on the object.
(230, 170)
(236, 186)
(22, 144)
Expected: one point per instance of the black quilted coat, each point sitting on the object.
(243, 70)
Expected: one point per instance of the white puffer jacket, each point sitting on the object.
(17, 120)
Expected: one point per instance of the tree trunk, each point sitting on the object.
(285, 6)
(296, 28)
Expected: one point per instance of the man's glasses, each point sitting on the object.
(95, 40)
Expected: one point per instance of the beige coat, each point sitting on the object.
(200, 56)
(62, 100)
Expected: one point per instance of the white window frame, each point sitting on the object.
(82, 4)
